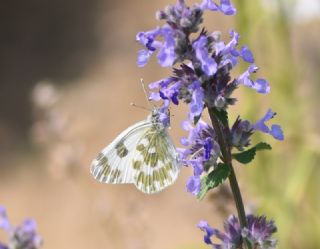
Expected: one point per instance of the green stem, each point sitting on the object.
(227, 159)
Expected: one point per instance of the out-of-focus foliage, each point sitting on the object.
(287, 179)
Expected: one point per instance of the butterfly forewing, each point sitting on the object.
(114, 163)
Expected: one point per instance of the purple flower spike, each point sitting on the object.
(275, 130)
(208, 64)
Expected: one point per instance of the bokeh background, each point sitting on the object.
(67, 76)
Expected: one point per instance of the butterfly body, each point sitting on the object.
(143, 155)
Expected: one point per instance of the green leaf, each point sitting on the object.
(213, 179)
(221, 115)
(263, 146)
(247, 156)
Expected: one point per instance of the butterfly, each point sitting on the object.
(143, 155)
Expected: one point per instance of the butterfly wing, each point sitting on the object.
(156, 161)
(114, 163)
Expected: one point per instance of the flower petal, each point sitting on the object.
(246, 54)
(277, 132)
(193, 184)
(208, 64)
(261, 86)
(143, 57)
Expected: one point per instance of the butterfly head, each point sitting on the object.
(160, 118)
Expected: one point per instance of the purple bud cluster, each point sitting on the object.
(202, 80)
(258, 233)
(23, 236)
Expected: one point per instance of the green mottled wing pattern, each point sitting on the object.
(156, 161)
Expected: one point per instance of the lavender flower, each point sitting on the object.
(274, 131)
(208, 64)
(23, 236)
(202, 65)
(202, 80)
(166, 55)
(258, 233)
(225, 6)
(242, 130)
(260, 85)
(240, 134)
(202, 152)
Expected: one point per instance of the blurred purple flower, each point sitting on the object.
(25, 236)
(4, 221)
(21, 237)
(258, 233)
(225, 6)
(3, 246)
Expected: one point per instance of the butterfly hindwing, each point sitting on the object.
(114, 163)
(155, 161)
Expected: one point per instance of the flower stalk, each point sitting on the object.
(227, 158)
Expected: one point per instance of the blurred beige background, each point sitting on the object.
(67, 77)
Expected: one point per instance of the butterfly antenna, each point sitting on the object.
(140, 106)
(145, 91)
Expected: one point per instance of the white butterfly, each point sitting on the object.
(143, 154)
